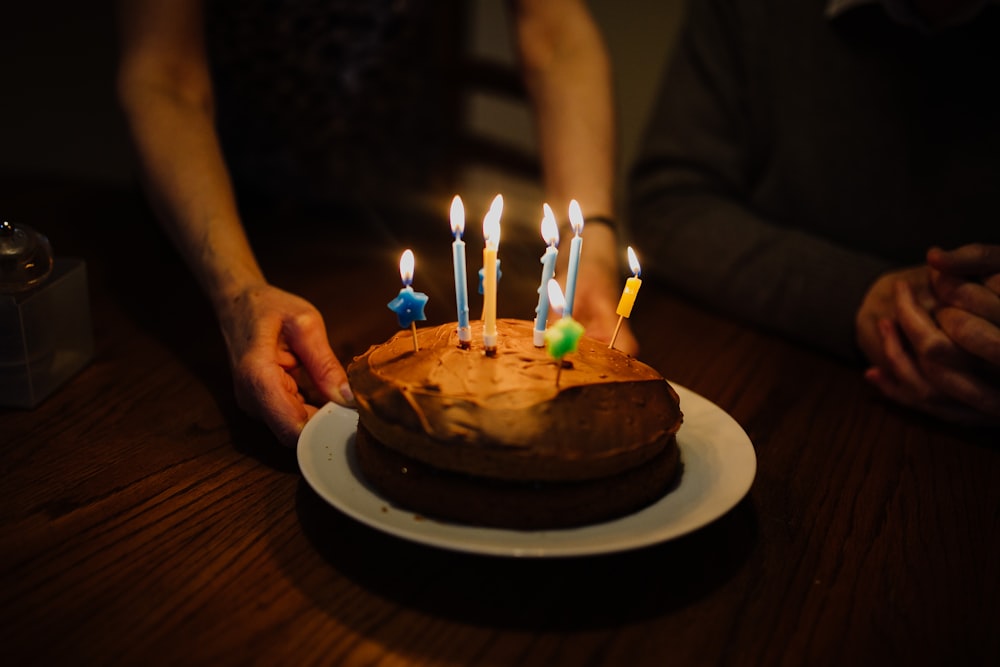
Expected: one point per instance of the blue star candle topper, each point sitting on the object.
(408, 304)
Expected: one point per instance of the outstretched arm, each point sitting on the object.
(273, 337)
(567, 72)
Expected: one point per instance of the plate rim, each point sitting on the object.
(622, 534)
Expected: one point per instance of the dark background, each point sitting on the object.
(58, 113)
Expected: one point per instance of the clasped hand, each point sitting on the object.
(932, 334)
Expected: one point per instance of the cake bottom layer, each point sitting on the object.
(518, 505)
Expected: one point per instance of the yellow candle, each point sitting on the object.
(491, 232)
(632, 286)
(625, 304)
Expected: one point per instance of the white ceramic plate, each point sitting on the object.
(719, 466)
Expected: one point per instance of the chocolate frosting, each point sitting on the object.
(504, 416)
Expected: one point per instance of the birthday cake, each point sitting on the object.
(512, 439)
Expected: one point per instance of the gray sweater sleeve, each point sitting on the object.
(693, 209)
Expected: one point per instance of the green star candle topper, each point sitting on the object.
(562, 337)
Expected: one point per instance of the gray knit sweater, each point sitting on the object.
(792, 158)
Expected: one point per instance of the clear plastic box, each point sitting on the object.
(45, 335)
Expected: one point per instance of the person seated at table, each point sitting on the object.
(804, 167)
(330, 101)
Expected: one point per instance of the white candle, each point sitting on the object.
(563, 336)
(461, 278)
(550, 233)
(576, 221)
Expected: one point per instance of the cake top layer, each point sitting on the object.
(520, 374)
(493, 411)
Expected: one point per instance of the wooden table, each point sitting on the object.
(145, 520)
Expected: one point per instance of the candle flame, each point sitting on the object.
(550, 228)
(457, 216)
(497, 205)
(406, 265)
(633, 262)
(491, 222)
(556, 299)
(575, 217)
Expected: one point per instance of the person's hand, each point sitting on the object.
(925, 369)
(598, 289)
(599, 284)
(967, 283)
(976, 260)
(880, 304)
(282, 363)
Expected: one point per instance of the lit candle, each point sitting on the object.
(491, 233)
(562, 337)
(575, 221)
(408, 305)
(496, 208)
(632, 286)
(482, 277)
(461, 280)
(550, 233)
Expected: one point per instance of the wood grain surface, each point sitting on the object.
(145, 520)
